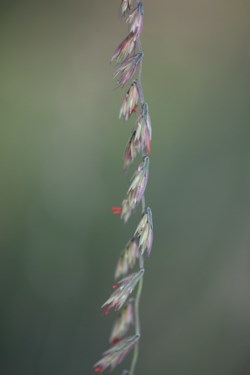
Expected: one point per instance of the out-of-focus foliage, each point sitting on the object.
(61, 172)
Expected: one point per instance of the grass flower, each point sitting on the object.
(126, 210)
(143, 134)
(139, 182)
(128, 68)
(136, 189)
(132, 148)
(115, 355)
(125, 48)
(126, 5)
(127, 259)
(122, 291)
(136, 19)
(122, 324)
(144, 232)
(130, 102)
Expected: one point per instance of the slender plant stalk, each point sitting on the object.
(137, 324)
(140, 286)
(129, 58)
(137, 312)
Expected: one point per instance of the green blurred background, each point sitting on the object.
(61, 172)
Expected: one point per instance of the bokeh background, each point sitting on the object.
(61, 172)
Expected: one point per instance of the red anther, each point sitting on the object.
(115, 340)
(117, 210)
(99, 369)
(134, 109)
(116, 286)
(107, 310)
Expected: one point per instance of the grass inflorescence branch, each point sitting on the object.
(126, 332)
